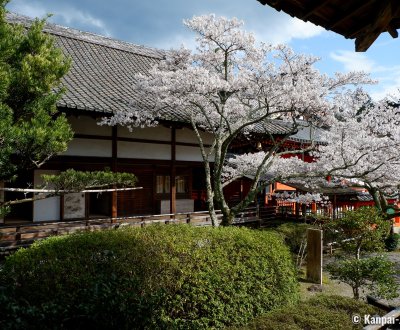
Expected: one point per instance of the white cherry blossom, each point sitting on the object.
(226, 87)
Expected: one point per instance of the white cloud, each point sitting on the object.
(268, 26)
(388, 76)
(298, 29)
(388, 85)
(67, 14)
(72, 15)
(176, 41)
(353, 61)
(283, 29)
(27, 9)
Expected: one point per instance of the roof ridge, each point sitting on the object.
(89, 37)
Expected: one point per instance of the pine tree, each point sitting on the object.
(32, 130)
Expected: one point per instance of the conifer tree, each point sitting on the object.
(32, 130)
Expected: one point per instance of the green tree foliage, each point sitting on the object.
(156, 277)
(75, 181)
(360, 230)
(32, 130)
(375, 273)
(357, 232)
(71, 181)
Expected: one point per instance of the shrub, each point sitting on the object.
(374, 273)
(166, 277)
(392, 242)
(294, 234)
(321, 312)
(360, 230)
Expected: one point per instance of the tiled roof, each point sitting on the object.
(101, 78)
(364, 197)
(271, 126)
(307, 133)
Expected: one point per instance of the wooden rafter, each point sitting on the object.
(351, 12)
(308, 11)
(361, 20)
(392, 31)
(379, 24)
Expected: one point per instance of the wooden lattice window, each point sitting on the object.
(163, 184)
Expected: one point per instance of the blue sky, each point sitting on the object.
(158, 23)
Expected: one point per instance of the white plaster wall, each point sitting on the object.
(186, 153)
(88, 125)
(143, 150)
(159, 133)
(188, 135)
(46, 209)
(89, 147)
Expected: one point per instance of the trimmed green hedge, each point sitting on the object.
(157, 277)
(322, 312)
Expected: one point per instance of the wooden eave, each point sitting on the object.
(362, 20)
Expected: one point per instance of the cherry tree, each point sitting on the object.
(232, 88)
(363, 147)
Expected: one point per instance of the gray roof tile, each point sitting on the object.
(101, 76)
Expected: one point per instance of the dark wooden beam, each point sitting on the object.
(172, 195)
(354, 11)
(393, 32)
(62, 209)
(276, 4)
(380, 23)
(87, 205)
(114, 164)
(356, 19)
(308, 11)
(363, 42)
(126, 139)
(114, 147)
(359, 30)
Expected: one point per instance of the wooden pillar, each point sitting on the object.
(172, 187)
(62, 208)
(1, 198)
(114, 155)
(87, 206)
(303, 211)
(314, 208)
(334, 207)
